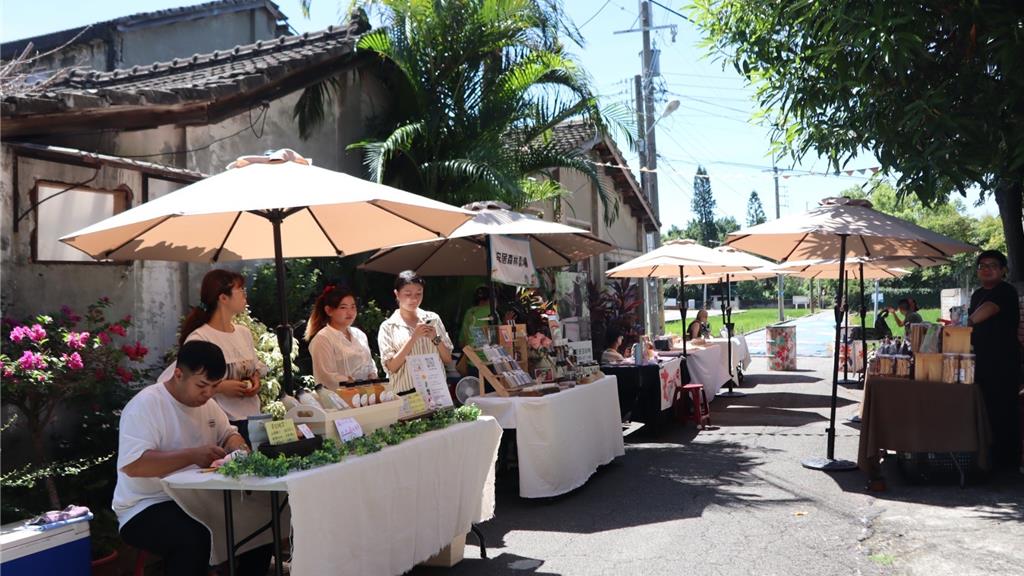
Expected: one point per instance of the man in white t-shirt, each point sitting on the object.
(164, 428)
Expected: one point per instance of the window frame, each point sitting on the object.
(122, 192)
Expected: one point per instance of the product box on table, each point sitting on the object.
(370, 418)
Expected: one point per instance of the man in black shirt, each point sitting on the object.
(995, 314)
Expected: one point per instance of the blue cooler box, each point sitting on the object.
(64, 550)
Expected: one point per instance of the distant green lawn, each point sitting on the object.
(745, 321)
(927, 314)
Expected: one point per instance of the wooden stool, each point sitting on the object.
(701, 415)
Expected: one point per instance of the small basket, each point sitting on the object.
(303, 447)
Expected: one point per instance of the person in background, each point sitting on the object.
(221, 298)
(611, 354)
(994, 314)
(699, 327)
(340, 351)
(908, 308)
(410, 331)
(166, 427)
(478, 316)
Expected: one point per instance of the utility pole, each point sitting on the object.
(648, 152)
(778, 214)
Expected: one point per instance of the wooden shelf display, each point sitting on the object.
(506, 378)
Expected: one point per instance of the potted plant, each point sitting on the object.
(81, 371)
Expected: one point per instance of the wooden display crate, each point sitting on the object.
(370, 418)
(956, 340)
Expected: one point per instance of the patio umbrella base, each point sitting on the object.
(829, 465)
(850, 383)
(730, 394)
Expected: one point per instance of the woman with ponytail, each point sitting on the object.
(340, 351)
(221, 298)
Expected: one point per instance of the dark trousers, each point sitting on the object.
(999, 388)
(165, 530)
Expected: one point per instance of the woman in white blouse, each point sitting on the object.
(340, 351)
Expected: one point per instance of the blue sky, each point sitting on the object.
(710, 127)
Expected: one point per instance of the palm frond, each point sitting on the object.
(311, 109)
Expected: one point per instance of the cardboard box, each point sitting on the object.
(928, 367)
(450, 555)
(956, 340)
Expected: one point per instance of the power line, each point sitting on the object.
(599, 10)
(666, 8)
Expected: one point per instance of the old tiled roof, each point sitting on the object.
(204, 88)
(103, 30)
(582, 136)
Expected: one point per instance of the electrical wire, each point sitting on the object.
(599, 10)
(261, 118)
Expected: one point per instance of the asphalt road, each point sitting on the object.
(736, 501)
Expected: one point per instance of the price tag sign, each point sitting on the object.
(305, 431)
(348, 429)
(412, 405)
(281, 431)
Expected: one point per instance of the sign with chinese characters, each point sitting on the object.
(511, 261)
(281, 431)
(348, 429)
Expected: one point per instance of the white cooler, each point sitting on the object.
(64, 550)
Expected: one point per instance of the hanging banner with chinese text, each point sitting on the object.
(512, 262)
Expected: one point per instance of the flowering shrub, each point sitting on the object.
(65, 360)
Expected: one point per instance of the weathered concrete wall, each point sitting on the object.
(84, 55)
(32, 288)
(144, 46)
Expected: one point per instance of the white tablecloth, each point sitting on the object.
(709, 365)
(562, 438)
(382, 513)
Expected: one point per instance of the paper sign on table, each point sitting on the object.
(348, 429)
(430, 381)
(412, 405)
(305, 431)
(281, 431)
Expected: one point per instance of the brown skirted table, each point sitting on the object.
(921, 416)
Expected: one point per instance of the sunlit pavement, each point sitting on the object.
(735, 500)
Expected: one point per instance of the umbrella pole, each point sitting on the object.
(863, 329)
(727, 315)
(283, 330)
(490, 282)
(846, 333)
(829, 463)
(682, 306)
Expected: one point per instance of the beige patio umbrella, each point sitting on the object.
(676, 258)
(274, 206)
(464, 251)
(840, 228)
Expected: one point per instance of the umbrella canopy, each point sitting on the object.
(868, 233)
(230, 216)
(274, 206)
(464, 251)
(874, 268)
(695, 260)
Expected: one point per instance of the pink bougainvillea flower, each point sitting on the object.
(73, 360)
(69, 314)
(127, 319)
(31, 361)
(7, 372)
(36, 333)
(78, 340)
(136, 352)
(104, 338)
(118, 329)
(17, 334)
(124, 374)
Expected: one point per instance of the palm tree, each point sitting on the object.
(479, 85)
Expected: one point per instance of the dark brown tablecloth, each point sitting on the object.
(920, 416)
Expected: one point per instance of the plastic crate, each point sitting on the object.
(938, 467)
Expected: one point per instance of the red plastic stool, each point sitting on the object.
(701, 414)
(140, 563)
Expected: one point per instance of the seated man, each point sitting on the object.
(164, 428)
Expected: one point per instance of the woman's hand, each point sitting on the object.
(238, 388)
(424, 331)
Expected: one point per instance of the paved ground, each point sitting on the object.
(735, 501)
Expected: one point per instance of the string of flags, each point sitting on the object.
(785, 174)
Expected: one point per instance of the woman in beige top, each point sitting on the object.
(340, 351)
(410, 331)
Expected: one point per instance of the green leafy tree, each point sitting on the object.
(934, 90)
(478, 87)
(755, 210)
(724, 226)
(704, 207)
